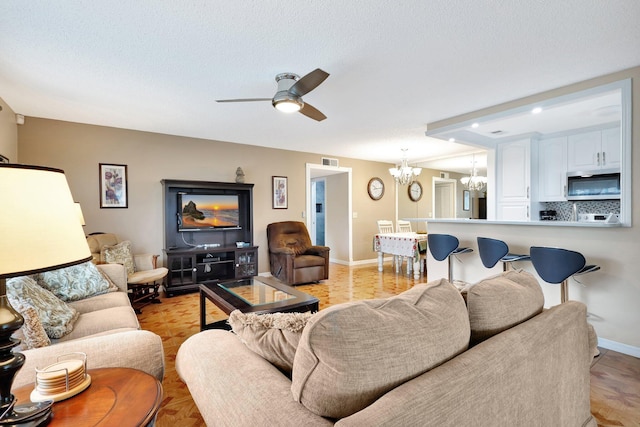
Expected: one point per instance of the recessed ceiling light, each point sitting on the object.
(536, 110)
(452, 140)
(475, 125)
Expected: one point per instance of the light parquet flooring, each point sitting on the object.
(615, 377)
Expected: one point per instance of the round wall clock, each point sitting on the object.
(415, 191)
(375, 188)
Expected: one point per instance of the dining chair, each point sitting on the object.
(443, 246)
(556, 265)
(493, 250)
(385, 226)
(403, 226)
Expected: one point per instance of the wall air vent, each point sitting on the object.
(326, 161)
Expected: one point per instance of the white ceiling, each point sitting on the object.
(159, 65)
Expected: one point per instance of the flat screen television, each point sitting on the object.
(198, 212)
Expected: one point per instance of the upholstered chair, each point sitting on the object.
(292, 257)
(144, 277)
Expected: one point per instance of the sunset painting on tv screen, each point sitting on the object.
(209, 211)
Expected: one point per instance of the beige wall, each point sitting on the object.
(8, 133)
(337, 190)
(78, 149)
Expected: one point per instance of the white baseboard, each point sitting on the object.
(361, 262)
(619, 347)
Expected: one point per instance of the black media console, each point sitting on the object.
(207, 255)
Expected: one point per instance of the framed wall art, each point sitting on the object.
(466, 200)
(280, 199)
(113, 186)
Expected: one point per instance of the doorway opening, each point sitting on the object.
(444, 198)
(336, 209)
(318, 210)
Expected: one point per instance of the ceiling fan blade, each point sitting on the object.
(312, 112)
(243, 100)
(309, 82)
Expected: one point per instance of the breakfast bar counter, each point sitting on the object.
(526, 223)
(611, 294)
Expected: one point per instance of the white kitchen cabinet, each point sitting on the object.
(552, 169)
(513, 170)
(597, 149)
(514, 211)
(611, 148)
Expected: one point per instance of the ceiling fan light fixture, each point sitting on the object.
(286, 102)
(288, 105)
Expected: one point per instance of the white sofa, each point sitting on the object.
(107, 330)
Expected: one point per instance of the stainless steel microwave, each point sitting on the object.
(598, 185)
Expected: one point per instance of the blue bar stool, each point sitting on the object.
(493, 250)
(442, 246)
(555, 265)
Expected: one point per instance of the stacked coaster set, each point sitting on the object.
(60, 381)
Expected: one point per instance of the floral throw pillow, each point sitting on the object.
(74, 283)
(119, 254)
(32, 334)
(273, 336)
(56, 316)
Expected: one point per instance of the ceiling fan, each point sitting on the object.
(291, 89)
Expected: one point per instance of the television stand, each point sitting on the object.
(189, 267)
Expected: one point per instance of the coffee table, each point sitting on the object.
(253, 295)
(116, 397)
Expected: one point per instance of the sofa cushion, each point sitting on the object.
(57, 317)
(75, 282)
(119, 254)
(105, 320)
(501, 302)
(273, 336)
(100, 302)
(351, 354)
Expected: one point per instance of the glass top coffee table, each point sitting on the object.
(253, 295)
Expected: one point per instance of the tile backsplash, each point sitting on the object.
(564, 209)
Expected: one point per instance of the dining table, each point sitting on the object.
(401, 245)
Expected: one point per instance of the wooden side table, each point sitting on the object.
(116, 397)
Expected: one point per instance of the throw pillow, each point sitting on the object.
(33, 333)
(56, 316)
(273, 336)
(74, 283)
(500, 302)
(119, 254)
(112, 286)
(351, 354)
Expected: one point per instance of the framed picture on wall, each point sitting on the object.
(113, 186)
(466, 200)
(279, 185)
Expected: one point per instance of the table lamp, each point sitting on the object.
(39, 231)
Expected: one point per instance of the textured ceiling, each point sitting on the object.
(159, 65)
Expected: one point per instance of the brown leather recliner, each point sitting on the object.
(292, 257)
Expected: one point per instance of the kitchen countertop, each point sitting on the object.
(529, 223)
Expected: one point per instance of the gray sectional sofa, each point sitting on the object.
(426, 357)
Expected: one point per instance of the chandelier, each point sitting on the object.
(474, 182)
(404, 174)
